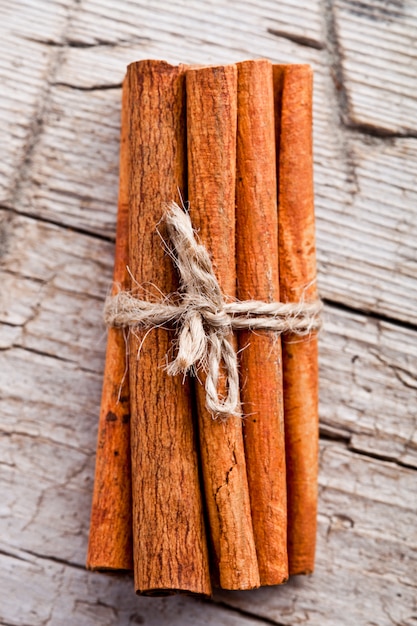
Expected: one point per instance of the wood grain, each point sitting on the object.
(356, 492)
(369, 264)
(378, 64)
(62, 64)
(260, 356)
(211, 128)
(367, 366)
(24, 59)
(247, 20)
(169, 542)
(110, 602)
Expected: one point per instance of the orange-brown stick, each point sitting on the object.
(297, 265)
(170, 551)
(110, 539)
(257, 278)
(211, 131)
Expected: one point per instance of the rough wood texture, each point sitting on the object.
(378, 63)
(169, 539)
(62, 65)
(257, 278)
(364, 519)
(211, 144)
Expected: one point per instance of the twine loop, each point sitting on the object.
(203, 320)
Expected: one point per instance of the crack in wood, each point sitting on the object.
(354, 496)
(299, 39)
(37, 121)
(371, 130)
(98, 43)
(90, 88)
(43, 439)
(371, 314)
(53, 559)
(244, 613)
(380, 457)
(46, 220)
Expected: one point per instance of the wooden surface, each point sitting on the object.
(61, 67)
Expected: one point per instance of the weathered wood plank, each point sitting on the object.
(54, 296)
(367, 564)
(368, 383)
(19, 106)
(74, 174)
(25, 66)
(376, 41)
(363, 574)
(59, 595)
(202, 23)
(46, 506)
(59, 157)
(46, 397)
(366, 222)
(43, 20)
(366, 240)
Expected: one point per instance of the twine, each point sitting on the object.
(203, 320)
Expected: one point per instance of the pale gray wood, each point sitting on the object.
(61, 66)
(366, 561)
(365, 190)
(367, 369)
(366, 550)
(25, 68)
(41, 592)
(378, 63)
(56, 282)
(368, 385)
(209, 24)
(18, 106)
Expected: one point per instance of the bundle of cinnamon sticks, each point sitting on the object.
(185, 500)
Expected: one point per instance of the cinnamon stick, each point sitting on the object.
(170, 551)
(110, 538)
(260, 356)
(297, 266)
(211, 131)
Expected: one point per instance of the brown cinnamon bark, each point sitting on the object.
(260, 357)
(170, 551)
(297, 265)
(211, 131)
(110, 538)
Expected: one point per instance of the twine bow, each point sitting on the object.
(204, 321)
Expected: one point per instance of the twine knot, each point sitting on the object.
(204, 320)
